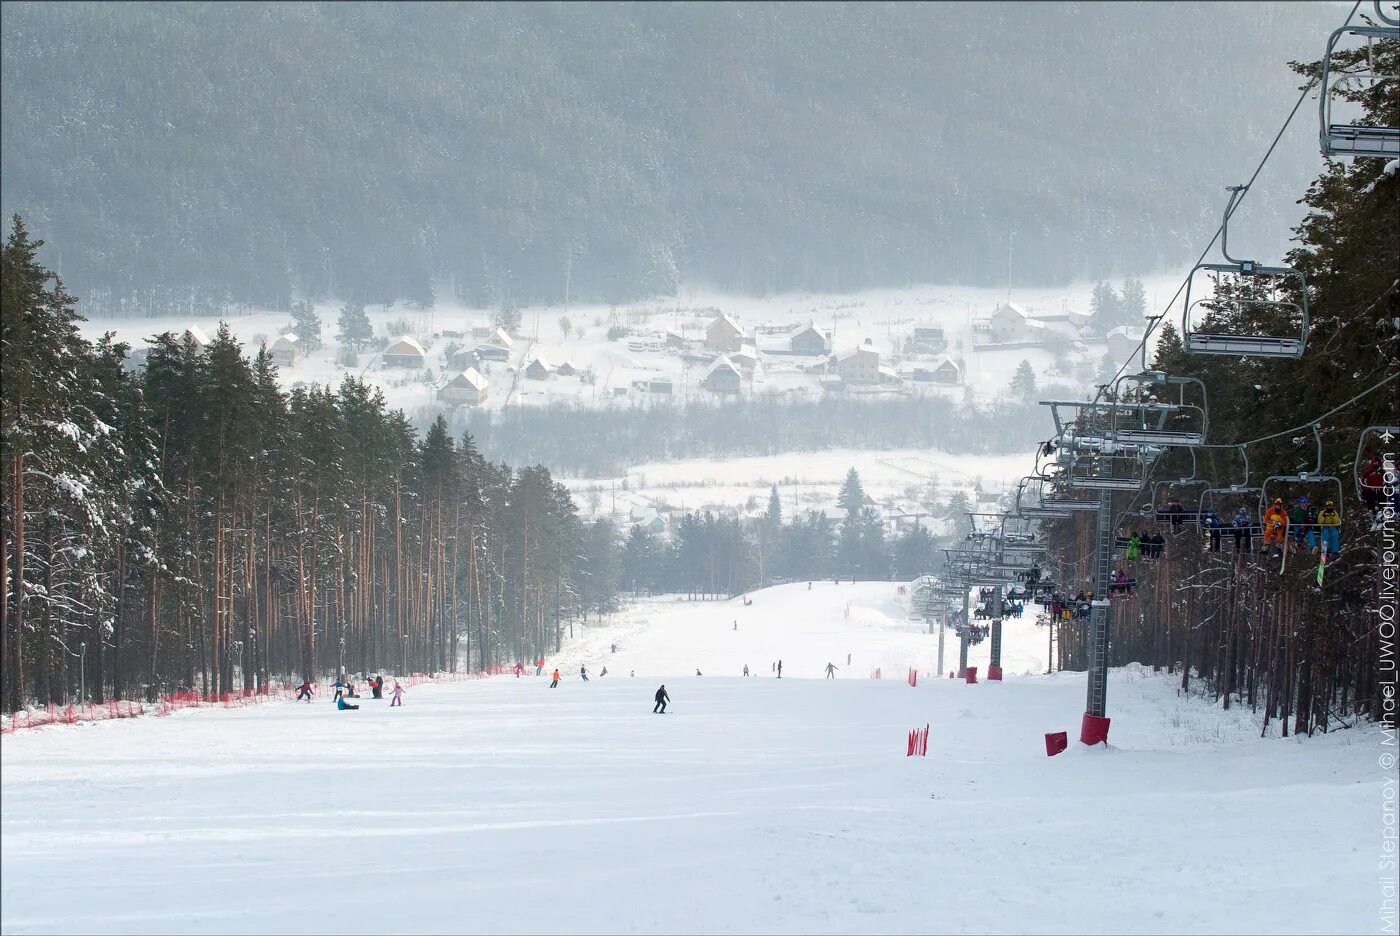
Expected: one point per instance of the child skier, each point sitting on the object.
(397, 695)
(304, 690)
(662, 697)
(1243, 526)
(342, 705)
(830, 670)
(1275, 525)
(583, 673)
(555, 681)
(1212, 524)
(746, 669)
(1303, 521)
(1134, 546)
(1330, 522)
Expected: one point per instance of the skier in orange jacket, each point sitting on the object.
(1275, 523)
(556, 679)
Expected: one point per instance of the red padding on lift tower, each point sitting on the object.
(1093, 729)
(994, 672)
(972, 674)
(1055, 742)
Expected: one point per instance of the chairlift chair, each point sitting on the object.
(1314, 479)
(1269, 280)
(1237, 495)
(1164, 492)
(1153, 422)
(1339, 138)
(1380, 432)
(1109, 473)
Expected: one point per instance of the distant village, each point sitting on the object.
(704, 354)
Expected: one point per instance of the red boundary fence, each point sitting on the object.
(918, 742)
(175, 701)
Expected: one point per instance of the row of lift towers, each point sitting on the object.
(1111, 444)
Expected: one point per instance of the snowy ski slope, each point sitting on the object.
(755, 805)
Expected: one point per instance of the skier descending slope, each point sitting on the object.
(583, 673)
(398, 695)
(662, 697)
(831, 671)
(555, 681)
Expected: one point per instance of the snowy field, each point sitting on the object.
(754, 805)
(805, 481)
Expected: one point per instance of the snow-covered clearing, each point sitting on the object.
(805, 480)
(755, 805)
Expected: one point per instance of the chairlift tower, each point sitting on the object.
(994, 664)
(1094, 727)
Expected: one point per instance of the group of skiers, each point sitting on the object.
(345, 689)
(1306, 525)
(1303, 523)
(1145, 546)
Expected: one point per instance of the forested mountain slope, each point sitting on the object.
(186, 155)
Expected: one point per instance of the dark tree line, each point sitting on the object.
(710, 556)
(1305, 651)
(242, 154)
(190, 525)
(187, 525)
(580, 441)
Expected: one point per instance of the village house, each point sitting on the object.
(537, 369)
(467, 388)
(947, 372)
(463, 358)
(807, 339)
(746, 360)
(566, 369)
(1008, 322)
(929, 339)
(660, 385)
(286, 350)
(492, 352)
(648, 519)
(724, 335)
(1123, 341)
(197, 335)
(859, 366)
(405, 352)
(722, 377)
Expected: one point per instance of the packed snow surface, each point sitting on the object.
(753, 805)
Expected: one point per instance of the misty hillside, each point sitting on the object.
(188, 155)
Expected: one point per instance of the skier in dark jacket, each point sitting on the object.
(661, 699)
(1243, 526)
(1212, 523)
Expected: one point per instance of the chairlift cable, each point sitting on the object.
(1153, 323)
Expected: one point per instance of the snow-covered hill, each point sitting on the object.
(804, 626)
(753, 805)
